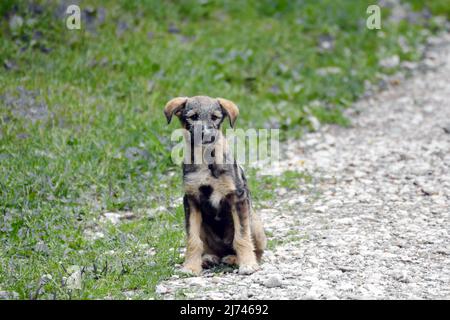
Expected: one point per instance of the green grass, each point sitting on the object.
(437, 7)
(82, 130)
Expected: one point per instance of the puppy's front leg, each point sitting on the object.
(194, 250)
(242, 242)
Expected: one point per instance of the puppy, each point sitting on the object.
(220, 223)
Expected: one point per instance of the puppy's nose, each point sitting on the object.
(207, 131)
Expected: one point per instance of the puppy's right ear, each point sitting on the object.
(173, 106)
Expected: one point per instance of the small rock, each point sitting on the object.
(160, 289)
(128, 215)
(390, 62)
(315, 123)
(74, 280)
(447, 128)
(347, 221)
(46, 278)
(150, 252)
(130, 294)
(273, 281)
(97, 235)
(347, 269)
(197, 281)
(409, 65)
(401, 276)
(41, 247)
(328, 70)
(429, 190)
(215, 280)
(321, 209)
(112, 217)
(9, 295)
(154, 212)
(326, 42)
(15, 23)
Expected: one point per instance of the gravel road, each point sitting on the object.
(374, 222)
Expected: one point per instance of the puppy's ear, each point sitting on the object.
(173, 106)
(230, 108)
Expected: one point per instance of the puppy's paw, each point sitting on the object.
(247, 269)
(209, 260)
(193, 270)
(230, 259)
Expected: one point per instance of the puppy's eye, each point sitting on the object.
(214, 117)
(194, 117)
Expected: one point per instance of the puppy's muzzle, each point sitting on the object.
(209, 135)
(204, 134)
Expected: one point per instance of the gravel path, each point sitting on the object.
(374, 223)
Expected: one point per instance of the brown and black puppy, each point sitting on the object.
(220, 223)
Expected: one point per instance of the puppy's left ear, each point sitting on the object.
(174, 106)
(230, 108)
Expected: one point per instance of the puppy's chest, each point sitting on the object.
(205, 187)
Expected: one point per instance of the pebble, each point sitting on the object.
(112, 217)
(401, 276)
(446, 128)
(321, 209)
(74, 279)
(390, 62)
(9, 295)
(160, 289)
(429, 190)
(273, 281)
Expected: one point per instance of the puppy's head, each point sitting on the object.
(202, 116)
